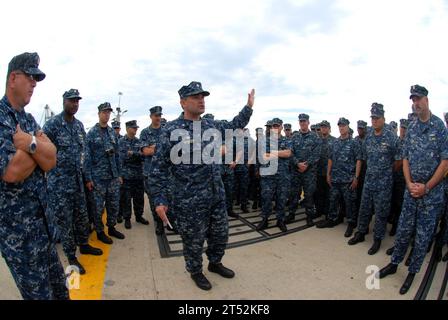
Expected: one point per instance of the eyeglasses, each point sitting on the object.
(29, 76)
(276, 126)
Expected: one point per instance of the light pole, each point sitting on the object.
(119, 98)
(119, 113)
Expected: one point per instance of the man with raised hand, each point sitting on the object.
(198, 191)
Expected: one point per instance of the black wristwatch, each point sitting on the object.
(33, 146)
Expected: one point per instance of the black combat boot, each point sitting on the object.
(232, 214)
(75, 262)
(119, 219)
(407, 283)
(221, 270)
(388, 270)
(114, 233)
(104, 238)
(390, 251)
(127, 224)
(88, 249)
(349, 232)
(173, 229)
(325, 224)
(282, 226)
(359, 237)
(290, 218)
(263, 224)
(393, 230)
(445, 258)
(339, 221)
(409, 259)
(255, 205)
(375, 247)
(142, 220)
(201, 281)
(244, 209)
(309, 221)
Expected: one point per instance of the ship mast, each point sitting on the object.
(119, 113)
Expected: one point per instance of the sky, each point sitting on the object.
(329, 59)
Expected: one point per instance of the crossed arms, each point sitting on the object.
(22, 164)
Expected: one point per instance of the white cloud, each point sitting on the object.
(334, 60)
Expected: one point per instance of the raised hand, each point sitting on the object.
(251, 98)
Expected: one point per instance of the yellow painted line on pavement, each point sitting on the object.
(92, 283)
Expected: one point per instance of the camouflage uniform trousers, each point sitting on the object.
(342, 191)
(377, 200)
(32, 258)
(122, 201)
(106, 194)
(362, 178)
(322, 195)
(228, 181)
(67, 202)
(197, 222)
(419, 217)
(398, 190)
(276, 187)
(134, 194)
(241, 183)
(90, 204)
(254, 192)
(307, 182)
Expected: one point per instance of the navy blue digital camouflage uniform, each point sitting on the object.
(198, 191)
(445, 181)
(425, 146)
(398, 189)
(362, 175)
(256, 187)
(116, 125)
(227, 173)
(344, 153)
(241, 174)
(227, 176)
(131, 162)
(66, 197)
(27, 231)
(380, 153)
(322, 194)
(305, 148)
(148, 137)
(102, 167)
(275, 185)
